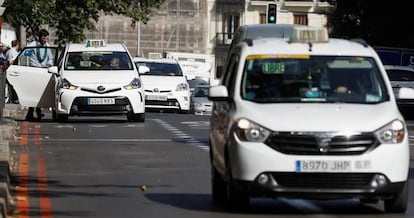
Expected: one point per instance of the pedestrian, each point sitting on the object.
(41, 57)
(12, 53)
(3, 59)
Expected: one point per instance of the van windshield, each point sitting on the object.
(305, 78)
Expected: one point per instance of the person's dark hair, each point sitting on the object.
(42, 33)
(15, 42)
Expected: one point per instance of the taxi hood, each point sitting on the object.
(320, 116)
(162, 82)
(122, 77)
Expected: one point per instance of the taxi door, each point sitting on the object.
(34, 86)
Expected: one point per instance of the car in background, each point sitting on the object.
(166, 87)
(200, 104)
(402, 76)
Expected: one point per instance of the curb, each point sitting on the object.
(8, 126)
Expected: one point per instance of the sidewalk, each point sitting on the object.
(8, 131)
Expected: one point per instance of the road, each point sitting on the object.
(108, 167)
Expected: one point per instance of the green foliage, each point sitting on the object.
(72, 17)
(379, 23)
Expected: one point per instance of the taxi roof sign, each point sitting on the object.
(309, 34)
(95, 43)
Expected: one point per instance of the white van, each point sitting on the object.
(307, 117)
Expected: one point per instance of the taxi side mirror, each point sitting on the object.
(53, 70)
(143, 69)
(406, 93)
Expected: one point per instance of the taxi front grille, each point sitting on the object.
(324, 180)
(322, 143)
(168, 103)
(101, 92)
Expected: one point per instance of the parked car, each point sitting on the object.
(200, 104)
(166, 87)
(402, 76)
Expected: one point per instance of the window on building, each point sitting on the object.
(301, 19)
(231, 23)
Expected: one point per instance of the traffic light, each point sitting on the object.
(271, 13)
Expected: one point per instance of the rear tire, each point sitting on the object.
(398, 204)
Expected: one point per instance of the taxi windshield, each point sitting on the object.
(161, 68)
(313, 79)
(98, 61)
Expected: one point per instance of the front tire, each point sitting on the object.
(237, 196)
(136, 117)
(218, 186)
(398, 204)
(63, 118)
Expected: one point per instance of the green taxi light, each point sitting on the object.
(95, 43)
(309, 34)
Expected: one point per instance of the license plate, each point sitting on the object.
(156, 97)
(323, 166)
(101, 100)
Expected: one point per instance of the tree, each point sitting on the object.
(71, 17)
(379, 23)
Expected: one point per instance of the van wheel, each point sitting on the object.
(218, 186)
(398, 204)
(237, 196)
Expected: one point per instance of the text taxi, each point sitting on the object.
(307, 117)
(94, 78)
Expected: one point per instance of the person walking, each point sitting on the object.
(41, 57)
(12, 53)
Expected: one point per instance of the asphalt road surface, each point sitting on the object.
(108, 167)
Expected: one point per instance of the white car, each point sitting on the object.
(165, 85)
(94, 78)
(308, 117)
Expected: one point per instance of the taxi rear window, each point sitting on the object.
(98, 61)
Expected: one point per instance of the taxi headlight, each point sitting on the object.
(182, 87)
(392, 133)
(67, 85)
(135, 84)
(247, 130)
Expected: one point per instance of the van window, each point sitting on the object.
(312, 79)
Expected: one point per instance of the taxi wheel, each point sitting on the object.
(218, 186)
(136, 117)
(237, 196)
(62, 118)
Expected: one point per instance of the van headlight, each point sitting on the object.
(67, 85)
(182, 87)
(135, 84)
(392, 133)
(247, 130)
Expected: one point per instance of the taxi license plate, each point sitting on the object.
(101, 100)
(156, 97)
(323, 166)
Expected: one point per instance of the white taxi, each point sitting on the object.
(308, 117)
(94, 78)
(165, 85)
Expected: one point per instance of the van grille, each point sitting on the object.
(315, 143)
(324, 180)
